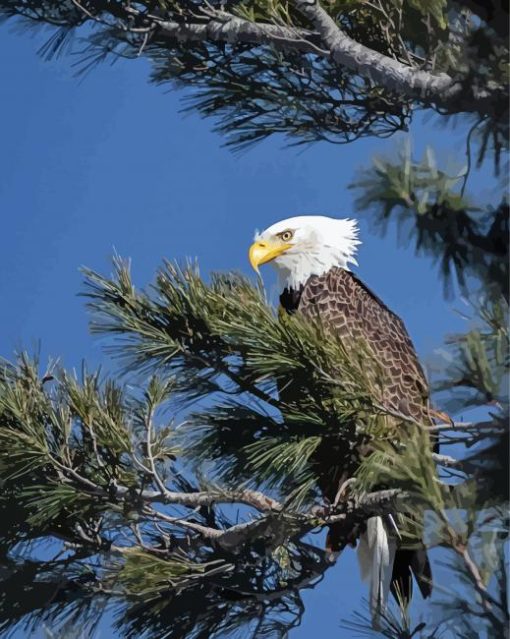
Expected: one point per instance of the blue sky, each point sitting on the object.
(107, 162)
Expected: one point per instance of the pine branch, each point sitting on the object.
(223, 27)
(432, 212)
(381, 69)
(309, 70)
(220, 26)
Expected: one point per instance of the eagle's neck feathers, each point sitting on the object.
(295, 269)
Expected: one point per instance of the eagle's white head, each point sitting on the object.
(306, 245)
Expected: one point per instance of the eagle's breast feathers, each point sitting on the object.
(348, 309)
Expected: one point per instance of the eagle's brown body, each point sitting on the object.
(347, 308)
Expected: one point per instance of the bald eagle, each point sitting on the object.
(312, 255)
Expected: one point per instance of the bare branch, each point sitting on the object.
(382, 70)
(234, 30)
(379, 68)
(446, 460)
(337, 45)
(276, 528)
(244, 496)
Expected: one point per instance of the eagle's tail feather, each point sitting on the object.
(386, 567)
(409, 562)
(420, 566)
(376, 555)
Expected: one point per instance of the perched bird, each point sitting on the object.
(311, 255)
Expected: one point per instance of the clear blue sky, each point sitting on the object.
(108, 162)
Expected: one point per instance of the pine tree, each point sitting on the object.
(124, 491)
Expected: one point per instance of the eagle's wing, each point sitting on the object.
(346, 307)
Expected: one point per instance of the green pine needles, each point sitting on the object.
(182, 493)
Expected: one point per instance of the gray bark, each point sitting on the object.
(326, 40)
(381, 69)
(226, 28)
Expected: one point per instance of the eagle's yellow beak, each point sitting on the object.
(262, 252)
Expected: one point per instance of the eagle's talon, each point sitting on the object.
(343, 491)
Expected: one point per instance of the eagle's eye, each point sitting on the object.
(286, 236)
